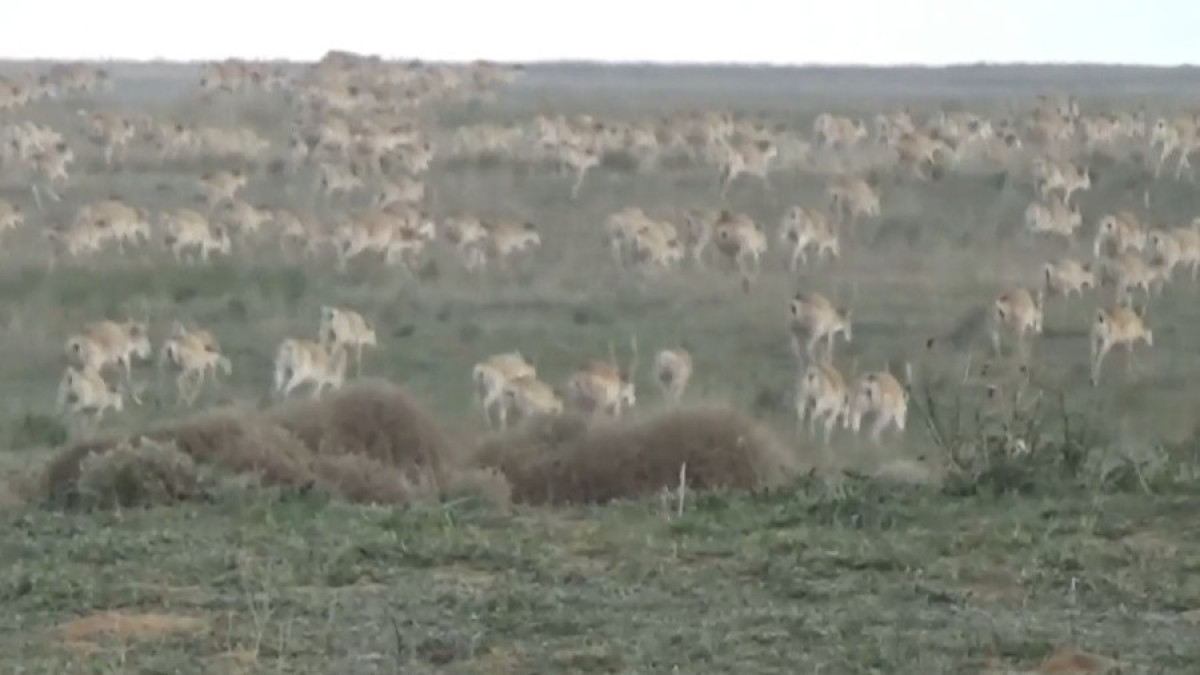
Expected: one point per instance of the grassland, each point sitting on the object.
(1090, 543)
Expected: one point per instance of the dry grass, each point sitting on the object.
(371, 443)
(138, 472)
(368, 443)
(567, 461)
(374, 420)
(125, 626)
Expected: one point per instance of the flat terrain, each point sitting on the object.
(1090, 544)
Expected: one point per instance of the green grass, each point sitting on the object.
(862, 579)
(830, 577)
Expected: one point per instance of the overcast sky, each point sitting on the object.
(1158, 32)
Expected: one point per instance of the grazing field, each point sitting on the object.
(1021, 511)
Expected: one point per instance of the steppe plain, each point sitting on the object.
(1090, 542)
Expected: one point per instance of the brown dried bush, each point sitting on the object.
(357, 478)
(243, 441)
(369, 442)
(371, 419)
(135, 473)
(566, 461)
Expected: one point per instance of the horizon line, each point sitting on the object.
(6, 60)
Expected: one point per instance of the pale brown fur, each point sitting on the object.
(188, 229)
(491, 376)
(342, 327)
(741, 240)
(749, 157)
(219, 186)
(1066, 178)
(601, 386)
(656, 246)
(815, 316)
(104, 343)
(11, 216)
(879, 394)
(851, 198)
(194, 355)
(1131, 271)
(114, 219)
(1117, 325)
(802, 228)
(1176, 246)
(673, 372)
(335, 179)
(1179, 134)
(921, 154)
(1122, 231)
(245, 217)
(580, 160)
(75, 240)
(838, 132)
(528, 396)
(822, 396)
(1067, 275)
(84, 390)
(469, 238)
(298, 361)
(508, 237)
(1053, 216)
(700, 223)
(402, 190)
(1017, 311)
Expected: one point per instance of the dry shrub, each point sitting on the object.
(137, 473)
(244, 442)
(565, 461)
(368, 442)
(60, 479)
(362, 479)
(376, 420)
(486, 483)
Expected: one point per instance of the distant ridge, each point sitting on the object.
(713, 65)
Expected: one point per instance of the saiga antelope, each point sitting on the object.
(1117, 325)
(103, 343)
(298, 361)
(740, 239)
(528, 396)
(672, 373)
(822, 396)
(83, 389)
(491, 376)
(879, 394)
(218, 186)
(801, 229)
(1067, 275)
(1017, 311)
(194, 356)
(752, 158)
(346, 328)
(817, 317)
(601, 386)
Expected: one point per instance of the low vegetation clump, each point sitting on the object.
(138, 472)
(369, 443)
(568, 461)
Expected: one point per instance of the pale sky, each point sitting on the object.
(934, 32)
